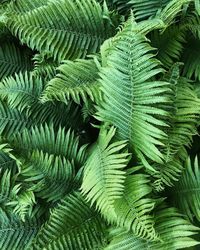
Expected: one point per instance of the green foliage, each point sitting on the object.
(99, 124)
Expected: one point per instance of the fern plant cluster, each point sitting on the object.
(99, 124)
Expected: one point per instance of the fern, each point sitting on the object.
(62, 35)
(72, 225)
(76, 80)
(105, 184)
(130, 103)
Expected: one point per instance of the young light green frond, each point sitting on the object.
(72, 225)
(49, 140)
(186, 192)
(49, 177)
(104, 174)
(174, 233)
(23, 204)
(64, 29)
(21, 91)
(133, 101)
(133, 210)
(76, 80)
(13, 59)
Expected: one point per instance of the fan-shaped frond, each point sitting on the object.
(174, 233)
(133, 101)
(49, 140)
(69, 34)
(76, 80)
(21, 91)
(13, 59)
(104, 175)
(186, 192)
(72, 225)
(49, 177)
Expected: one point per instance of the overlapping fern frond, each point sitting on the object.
(64, 35)
(133, 100)
(72, 225)
(76, 80)
(104, 174)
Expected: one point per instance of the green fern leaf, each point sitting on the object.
(174, 232)
(133, 101)
(104, 175)
(76, 80)
(63, 34)
(72, 225)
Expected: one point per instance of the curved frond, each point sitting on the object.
(72, 225)
(133, 100)
(186, 192)
(76, 80)
(174, 233)
(104, 174)
(73, 33)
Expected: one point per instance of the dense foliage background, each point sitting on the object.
(99, 119)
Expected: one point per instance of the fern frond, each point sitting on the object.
(76, 80)
(174, 233)
(145, 9)
(191, 58)
(182, 126)
(21, 91)
(49, 177)
(13, 59)
(73, 33)
(172, 10)
(49, 140)
(133, 101)
(170, 44)
(185, 193)
(133, 210)
(104, 175)
(72, 225)
(22, 6)
(15, 234)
